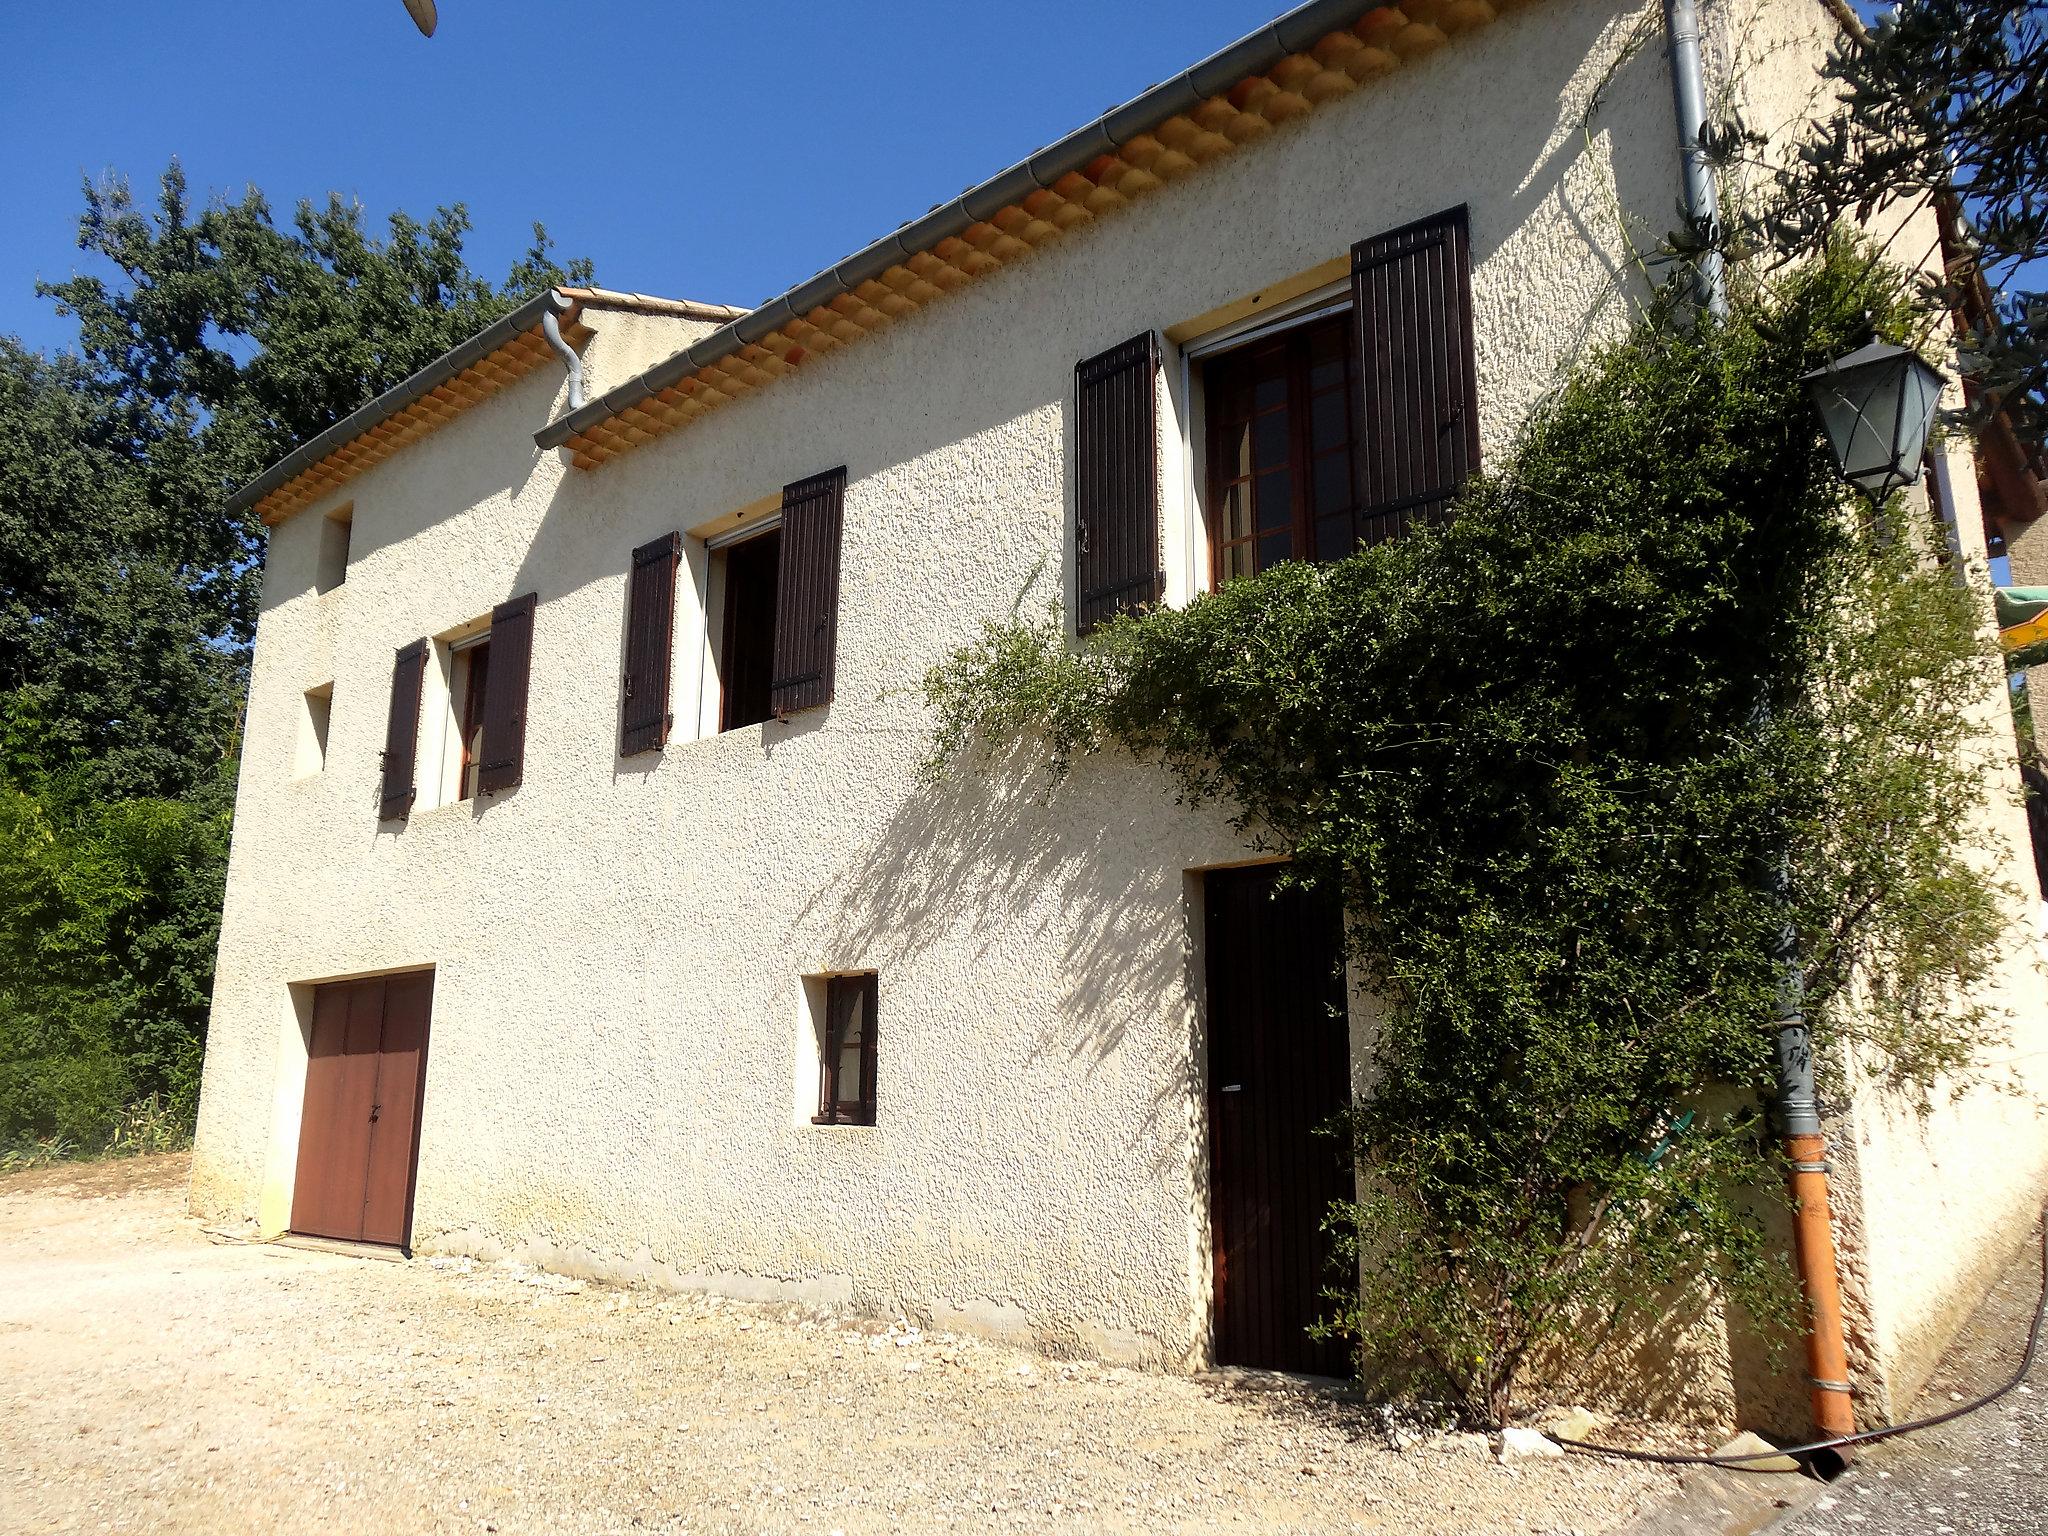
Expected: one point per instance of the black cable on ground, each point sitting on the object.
(1743, 1461)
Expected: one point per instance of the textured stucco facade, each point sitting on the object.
(621, 1060)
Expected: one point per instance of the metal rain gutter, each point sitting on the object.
(1689, 102)
(1250, 55)
(549, 306)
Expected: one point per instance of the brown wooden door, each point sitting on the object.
(359, 1135)
(1279, 1067)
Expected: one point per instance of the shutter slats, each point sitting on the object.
(1117, 564)
(807, 593)
(504, 746)
(402, 731)
(644, 717)
(1418, 402)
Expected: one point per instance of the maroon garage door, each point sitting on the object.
(1279, 1067)
(359, 1137)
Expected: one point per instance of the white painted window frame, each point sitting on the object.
(1187, 532)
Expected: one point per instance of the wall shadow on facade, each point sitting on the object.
(996, 845)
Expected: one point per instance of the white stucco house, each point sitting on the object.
(584, 905)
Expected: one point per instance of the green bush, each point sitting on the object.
(109, 913)
(1549, 753)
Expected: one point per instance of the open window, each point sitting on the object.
(335, 530)
(773, 621)
(475, 705)
(1348, 420)
(746, 574)
(843, 1017)
(469, 674)
(1281, 480)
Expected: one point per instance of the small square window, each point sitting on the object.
(846, 1051)
(335, 529)
(311, 756)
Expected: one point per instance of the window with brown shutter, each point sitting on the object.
(644, 718)
(1117, 565)
(1418, 400)
(1346, 425)
(402, 731)
(807, 593)
(503, 757)
(846, 1052)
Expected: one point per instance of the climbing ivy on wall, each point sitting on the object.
(1531, 749)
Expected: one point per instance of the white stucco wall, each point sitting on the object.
(618, 1048)
(1939, 1197)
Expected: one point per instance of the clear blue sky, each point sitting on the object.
(714, 149)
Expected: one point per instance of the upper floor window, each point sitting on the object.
(1349, 423)
(1281, 481)
(773, 625)
(474, 703)
(747, 575)
(335, 530)
(469, 676)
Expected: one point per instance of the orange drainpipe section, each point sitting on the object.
(1813, 1246)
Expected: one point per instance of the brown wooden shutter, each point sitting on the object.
(1418, 402)
(402, 731)
(504, 749)
(807, 593)
(1116, 482)
(644, 718)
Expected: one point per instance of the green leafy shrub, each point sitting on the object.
(109, 913)
(1549, 753)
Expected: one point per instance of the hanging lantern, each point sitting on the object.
(1877, 405)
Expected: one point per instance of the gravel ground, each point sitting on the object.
(1982, 1475)
(155, 1379)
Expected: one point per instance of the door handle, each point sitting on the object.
(1226, 1088)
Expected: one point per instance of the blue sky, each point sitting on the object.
(713, 150)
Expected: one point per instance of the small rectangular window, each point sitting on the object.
(311, 757)
(746, 651)
(846, 1052)
(335, 529)
(469, 670)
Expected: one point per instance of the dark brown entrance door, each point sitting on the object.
(359, 1137)
(1279, 1067)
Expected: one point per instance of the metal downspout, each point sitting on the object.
(1813, 1241)
(1700, 200)
(551, 327)
(1813, 1235)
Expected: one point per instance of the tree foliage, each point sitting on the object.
(210, 340)
(1946, 98)
(1548, 754)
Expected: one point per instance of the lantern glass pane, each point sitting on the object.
(1858, 410)
(1922, 393)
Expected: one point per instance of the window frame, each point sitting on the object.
(335, 549)
(1292, 331)
(721, 549)
(833, 1107)
(469, 721)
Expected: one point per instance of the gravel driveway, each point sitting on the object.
(155, 1379)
